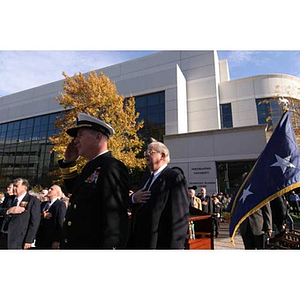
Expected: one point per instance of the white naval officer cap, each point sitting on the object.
(87, 121)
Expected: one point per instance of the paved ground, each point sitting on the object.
(222, 242)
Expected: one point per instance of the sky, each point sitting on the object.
(251, 63)
(21, 70)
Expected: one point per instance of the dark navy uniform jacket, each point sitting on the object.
(97, 214)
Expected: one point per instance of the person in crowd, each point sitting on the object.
(44, 192)
(64, 199)
(41, 195)
(294, 200)
(226, 201)
(216, 215)
(257, 227)
(160, 207)
(194, 201)
(10, 189)
(220, 196)
(278, 209)
(205, 201)
(21, 216)
(97, 216)
(288, 218)
(53, 211)
(2, 197)
(3, 236)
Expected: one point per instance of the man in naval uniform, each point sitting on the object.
(97, 214)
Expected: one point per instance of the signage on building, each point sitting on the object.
(203, 174)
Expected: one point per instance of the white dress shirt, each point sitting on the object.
(20, 198)
(156, 174)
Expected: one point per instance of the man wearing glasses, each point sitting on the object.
(160, 208)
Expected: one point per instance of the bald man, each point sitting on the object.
(52, 218)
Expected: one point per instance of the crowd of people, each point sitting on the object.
(214, 205)
(31, 219)
(271, 220)
(101, 211)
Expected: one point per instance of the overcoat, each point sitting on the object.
(162, 222)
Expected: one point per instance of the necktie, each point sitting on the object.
(146, 188)
(47, 206)
(15, 202)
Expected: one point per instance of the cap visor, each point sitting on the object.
(72, 131)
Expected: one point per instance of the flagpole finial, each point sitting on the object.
(284, 103)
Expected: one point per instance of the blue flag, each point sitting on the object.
(276, 172)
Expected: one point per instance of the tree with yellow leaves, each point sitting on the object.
(96, 95)
(291, 93)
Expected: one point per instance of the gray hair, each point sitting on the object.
(25, 182)
(160, 148)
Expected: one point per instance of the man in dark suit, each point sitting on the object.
(160, 208)
(3, 236)
(21, 216)
(53, 211)
(256, 227)
(206, 201)
(97, 215)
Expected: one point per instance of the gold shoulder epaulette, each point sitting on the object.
(69, 172)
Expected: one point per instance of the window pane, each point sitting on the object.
(141, 101)
(226, 115)
(152, 110)
(268, 111)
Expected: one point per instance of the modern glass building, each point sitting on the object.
(25, 150)
(213, 126)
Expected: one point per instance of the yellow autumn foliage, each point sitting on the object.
(292, 94)
(96, 95)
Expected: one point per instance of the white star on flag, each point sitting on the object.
(283, 163)
(246, 193)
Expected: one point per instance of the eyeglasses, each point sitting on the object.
(149, 152)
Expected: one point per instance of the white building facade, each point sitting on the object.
(211, 123)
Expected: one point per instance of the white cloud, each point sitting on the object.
(20, 70)
(240, 57)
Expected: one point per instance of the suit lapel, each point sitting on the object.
(26, 198)
(160, 178)
(55, 204)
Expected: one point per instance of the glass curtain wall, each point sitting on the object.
(25, 150)
(152, 110)
(268, 112)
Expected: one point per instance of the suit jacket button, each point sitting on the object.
(75, 206)
(69, 223)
